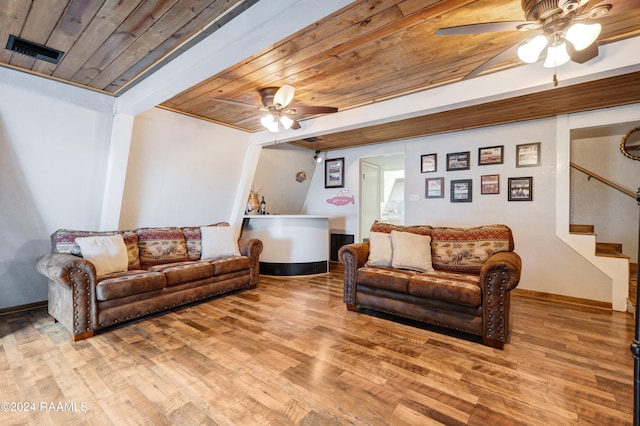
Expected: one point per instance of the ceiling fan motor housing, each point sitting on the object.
(535, 10)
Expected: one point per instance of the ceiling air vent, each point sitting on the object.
(34, 50)
(312, 139)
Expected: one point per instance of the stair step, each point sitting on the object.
(581, 229)
(610, 250)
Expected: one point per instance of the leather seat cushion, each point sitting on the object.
(181, 272)
(122, 284)
(462, 289)
(384, 278)
(227, 265)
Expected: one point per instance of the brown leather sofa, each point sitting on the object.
(162, 269)
(466, 287)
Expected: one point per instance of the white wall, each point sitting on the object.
(549, 265)
(182, 171)
(54, 141)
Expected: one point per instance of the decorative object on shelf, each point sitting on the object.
(301, 176)
(263, 207)
(458, 161)
(521, 189)
(429, 163)
(434, 187)
(490, 155)
(490, 184)
(340, 199)
(461, 191)
(528, 155)
(253, 204)
(630, 144)
(334, 173)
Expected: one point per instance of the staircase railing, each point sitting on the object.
(603, 180)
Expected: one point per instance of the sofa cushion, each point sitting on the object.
(467, 249)
(384, 278)
(461, 289)
(159, 246)
(178, 273)
(230, 264)
(107, 253)
(124, 284)
(380, 249)
(411, 251)
(64, 241)
(193, 238)
(219, 242)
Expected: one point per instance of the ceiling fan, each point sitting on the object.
(276, 111)
(565, 28)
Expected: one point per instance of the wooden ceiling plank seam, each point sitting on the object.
(142, 18)
(107, 20)
(151, 44)
(75, 19)
(11, 23)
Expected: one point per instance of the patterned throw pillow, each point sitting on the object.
(467, 249)
(161, 245)
(387, 228)
(193, 237)
(64, 241)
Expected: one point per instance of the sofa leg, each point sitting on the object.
(82, 336)
(352, 307)
(494, 343)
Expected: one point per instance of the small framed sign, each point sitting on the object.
(461, 191)
(434, 187)
(490, 155)
(490, 184)
(528, 155)
(428, 163)
(334, 173)
(521, 189)
(458, 161)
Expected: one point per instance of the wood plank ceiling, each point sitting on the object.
(369, 51)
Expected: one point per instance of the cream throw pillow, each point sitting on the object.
(411, 251)
(380, 249)
(108, 253)
(219, 241)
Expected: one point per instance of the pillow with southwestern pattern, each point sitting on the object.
(380, 249)
(161, 245)
(107, 253)
(467, 249)
(411, 251)
(64, 241)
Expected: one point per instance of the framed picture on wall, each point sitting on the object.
(528, 155)
(434, 187)
(490, 184)
(428, 163)
(490, 155)
(521, 189)
(458, 161)
(461, 191)
(334, 173)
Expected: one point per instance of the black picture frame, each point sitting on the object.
(528, 154)
(434, 187)
(490, 184)
(521, 189)
(458, 160)
(491, 155)
(428, 163)
(462, 191)
(334, 173)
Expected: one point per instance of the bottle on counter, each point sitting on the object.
(263, 207)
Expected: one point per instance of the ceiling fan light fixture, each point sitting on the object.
(270, 123)
(530, 51)
(286, 122)
(583, 35)
(556, 56)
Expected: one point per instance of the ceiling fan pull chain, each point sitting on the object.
(555, 79)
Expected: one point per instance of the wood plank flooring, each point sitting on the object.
(288, 352)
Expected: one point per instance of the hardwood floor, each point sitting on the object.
(289, 352)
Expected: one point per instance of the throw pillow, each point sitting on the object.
(380, 249)
(108, 253)
(411, 251)
(219, 241)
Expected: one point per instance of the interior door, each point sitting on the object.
(369, 196)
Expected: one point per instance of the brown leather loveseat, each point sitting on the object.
(97, 279)
(458, 278)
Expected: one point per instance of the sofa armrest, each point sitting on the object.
(74, 280)
(352, 256)
(499, 275)
(252, 247)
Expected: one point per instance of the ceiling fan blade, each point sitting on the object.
(504, 55)
(582, 56)
(617, 6)
(225, 101)
(487, 27)
(303, 110)
(284, 96)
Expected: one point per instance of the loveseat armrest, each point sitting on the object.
(352, 257)
(499, 275)
(72, 299)
(252, 247)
